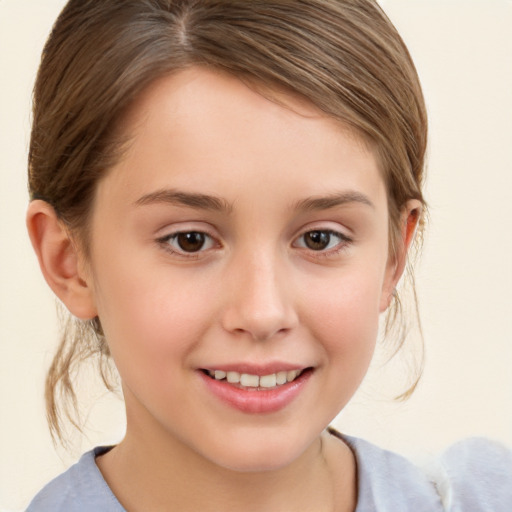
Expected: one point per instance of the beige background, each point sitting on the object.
(463, 50)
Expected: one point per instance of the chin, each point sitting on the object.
(259, 453)
(256, 463)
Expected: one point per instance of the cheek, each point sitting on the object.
(347, 304)
(149, 319)
(344, 315)
(346, 320)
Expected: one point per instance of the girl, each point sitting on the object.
(223, 196)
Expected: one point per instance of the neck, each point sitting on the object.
(155, 476)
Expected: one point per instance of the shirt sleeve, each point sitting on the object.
(478, 477)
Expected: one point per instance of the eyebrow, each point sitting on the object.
(213, 203)
(333, 200)
(180, 198)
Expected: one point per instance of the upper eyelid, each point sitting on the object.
(174, 234)
(343, 242)
(206, 228)
(164, 243)
(192, 226)
(341, 235)
(345, 233)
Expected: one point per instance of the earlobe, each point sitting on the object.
(59, 260)
(409, 220)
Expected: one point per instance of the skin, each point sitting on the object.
(254, 292)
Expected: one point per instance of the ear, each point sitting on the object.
(60, 261)
(409, 219)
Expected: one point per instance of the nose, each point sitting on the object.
(259, 302)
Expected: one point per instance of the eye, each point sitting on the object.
(321, 240)
(188, 241)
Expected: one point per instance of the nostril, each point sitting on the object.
(259, 306)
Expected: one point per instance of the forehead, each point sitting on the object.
(198, 124)
(197, 94)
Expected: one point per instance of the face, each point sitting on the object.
(239, 263)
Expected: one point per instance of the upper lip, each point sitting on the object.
(257, 369)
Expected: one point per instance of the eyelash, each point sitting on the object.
(343, 242)
(167, 240)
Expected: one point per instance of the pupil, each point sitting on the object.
(191, 242)
(317, 240)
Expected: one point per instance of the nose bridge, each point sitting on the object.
(260, 300)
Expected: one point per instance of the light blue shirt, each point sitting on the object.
(475, 476)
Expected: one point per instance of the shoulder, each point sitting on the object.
(388, 481)
(472, 475)
(78, 489)
(477, 476)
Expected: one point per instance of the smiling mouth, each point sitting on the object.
(252, 382)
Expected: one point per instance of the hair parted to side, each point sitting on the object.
(344, 56)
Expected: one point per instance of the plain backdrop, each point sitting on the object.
(463, 52)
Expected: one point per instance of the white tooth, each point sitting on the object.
(268, 381)
(281, 378)
(211, 373)
(248, 380)
(290, 376)
(233, 377)
(219, 375)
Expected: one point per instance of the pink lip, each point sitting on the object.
(254, 401)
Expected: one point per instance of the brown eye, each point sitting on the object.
(187, 242)
(190, 242)
(322, 240)
(317, 240)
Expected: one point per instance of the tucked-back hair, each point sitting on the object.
(344, 56)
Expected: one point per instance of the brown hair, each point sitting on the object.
(345, 56)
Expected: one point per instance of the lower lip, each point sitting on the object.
(256, 401)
